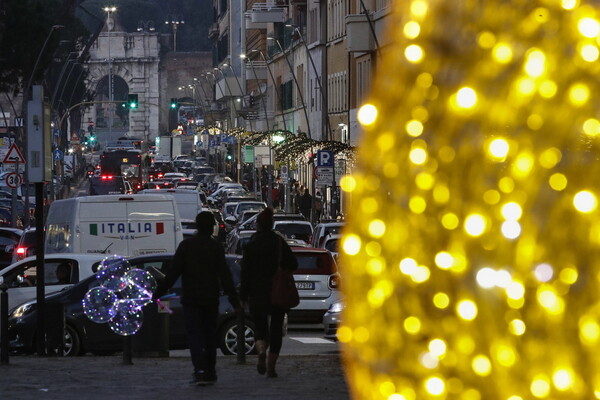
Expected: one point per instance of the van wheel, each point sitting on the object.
(228, 338)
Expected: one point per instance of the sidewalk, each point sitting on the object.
(312, 377)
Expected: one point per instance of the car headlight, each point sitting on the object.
(336, 307)
(22, 310)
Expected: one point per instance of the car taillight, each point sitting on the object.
(21, 251)
(106, 177)
(334, 281)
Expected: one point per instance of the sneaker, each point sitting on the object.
(205, 378)
(195, 378)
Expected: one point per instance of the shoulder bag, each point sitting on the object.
(284, 294)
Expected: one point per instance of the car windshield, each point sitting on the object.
(249, 206)
(295, 231)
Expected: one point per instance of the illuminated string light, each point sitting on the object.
(473, 231)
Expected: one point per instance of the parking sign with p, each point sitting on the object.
(325, 158)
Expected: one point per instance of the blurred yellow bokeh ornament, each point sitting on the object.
(471, 257)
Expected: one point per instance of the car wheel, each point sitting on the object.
(72, 342)
(228, 338)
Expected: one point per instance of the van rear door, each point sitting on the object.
(129, 227)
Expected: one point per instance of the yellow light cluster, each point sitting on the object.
(471, 257)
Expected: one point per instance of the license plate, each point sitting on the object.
(305, 285)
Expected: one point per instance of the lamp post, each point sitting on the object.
(325, 114)
(262, 98)
(274, 84)
(174, 22)
(297, 84)
(110, 25)
(60, 76)
(242, 91)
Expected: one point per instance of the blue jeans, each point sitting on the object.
(201, 326)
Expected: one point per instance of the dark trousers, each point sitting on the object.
(201, 326)
(270, 329)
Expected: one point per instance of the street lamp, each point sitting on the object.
(297, 85)
(274, 85)
(242, 91)
(146, 26)
(174, 22)
(324, 111)
(110, 25)
(60, 76)
(262, 98)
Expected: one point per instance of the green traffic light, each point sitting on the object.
(132, 101)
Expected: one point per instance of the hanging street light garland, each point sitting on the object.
(290, 147)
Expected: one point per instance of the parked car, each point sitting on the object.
(317, 280)
(332, 243)
(9, 238)
(82, 335)
(6, 215)
(323, 229)
(26, 245)
(21, 277)
(250, 224)
(294, 229)
(332, 319)
(238, 241)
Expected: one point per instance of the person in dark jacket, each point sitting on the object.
(306, 204)
(200, 261)
(262, 255)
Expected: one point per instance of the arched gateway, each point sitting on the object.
(123, 63)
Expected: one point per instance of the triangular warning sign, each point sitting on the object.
(13, 156)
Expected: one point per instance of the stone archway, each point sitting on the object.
(134, 58)
(120, 114)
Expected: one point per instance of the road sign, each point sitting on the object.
(284, 174)
(58, 155)
(324, 175)
(324, 158)
(13, 156)
(13, 180)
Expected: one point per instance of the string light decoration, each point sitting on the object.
(291, 146)
(471, 256)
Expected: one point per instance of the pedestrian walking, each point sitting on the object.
(263, 255)
(296, 196)
(318, 207)
(306, 204)
(200, 261)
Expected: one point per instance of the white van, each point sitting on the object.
(188, 201)
(127, 225)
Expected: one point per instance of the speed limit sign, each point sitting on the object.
(13, 180)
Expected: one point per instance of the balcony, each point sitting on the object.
(358, 34)
(262, 13)
(213, 31)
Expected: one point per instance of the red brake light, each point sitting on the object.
(106, 177)
(20, 250)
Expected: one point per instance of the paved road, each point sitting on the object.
(312, 377)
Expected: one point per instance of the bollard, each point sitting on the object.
(4, 323)
(241, 338)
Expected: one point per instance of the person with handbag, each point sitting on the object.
(263, 256)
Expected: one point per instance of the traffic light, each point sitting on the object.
(132, 100)
(92, 139)
(174, 103)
